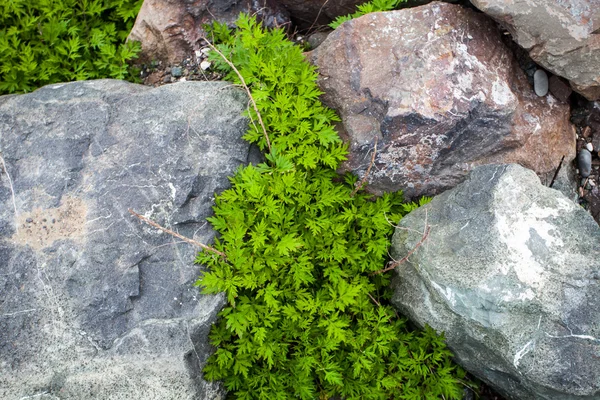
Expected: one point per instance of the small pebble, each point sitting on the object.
(198, 53)
(590, 147)
(540, 82)
(183, 79)
(29, 220)
(205, 51)
(176, 72)
(584, 161)
(205, 65)
(167, 79)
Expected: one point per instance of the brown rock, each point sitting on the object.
(441, 92)
(562, 36)
(170, 30)
(559, 88)
(586, 132)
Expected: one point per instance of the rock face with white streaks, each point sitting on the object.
(511, 272)
(94, 304)
(562, 36)
(438, 89)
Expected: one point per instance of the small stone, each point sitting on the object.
(167, 79)
(559, 88)
(198, 54)
(176, 72)
(205, 65)
(206, 50)
(584, 161)
(586, 132)
(183, 79)
(29, 220)
(540, 82)
(590, 147)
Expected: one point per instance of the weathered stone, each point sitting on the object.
(562, 36)
(593, 202)
(509, 272)
(441, 92)
(584, 162)
(171, 30)
(95, 304)
(540, 82)
(559, 88)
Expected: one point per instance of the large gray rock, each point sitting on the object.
(439, 90)
(560, 35)
(94, 304)
(511, 272)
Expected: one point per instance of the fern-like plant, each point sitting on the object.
(305, 318)
(48, 41)
(367, 8)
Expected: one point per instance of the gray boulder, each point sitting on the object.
(94, 304)
(562, 36)
(511, 272)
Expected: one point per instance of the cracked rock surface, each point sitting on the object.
(94, 304)
(441, 93)
(511, 272)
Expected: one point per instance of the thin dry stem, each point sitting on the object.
(245, 87)
(366, 176)
(12, 192)
(393, 264)
(177, 235)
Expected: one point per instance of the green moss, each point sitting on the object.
(305, 316)
(48, 41)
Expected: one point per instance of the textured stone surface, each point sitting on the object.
(170, 30)
(511, 272)
(560, 35)
(441, 92)
(93, 303)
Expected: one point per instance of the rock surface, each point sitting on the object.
(441, 92)
(93, 303)
(171, 30)
(562, 36)
(511, 272)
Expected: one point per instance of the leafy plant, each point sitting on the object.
(367, 8)
(48, 41)
(305, 317)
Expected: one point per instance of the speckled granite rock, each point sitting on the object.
(442, 93)
(511, 272)
(94, 304)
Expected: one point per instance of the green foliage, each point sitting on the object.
(48, 41)
(300, 320)
(367, 8)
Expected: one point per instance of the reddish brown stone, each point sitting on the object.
(559, 88)
(442, 93)
(170, 30)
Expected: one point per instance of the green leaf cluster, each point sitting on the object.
(49, 41)
(305, 317)
(367, 8)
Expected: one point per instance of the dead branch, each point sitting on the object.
(245, 87)
(12, 191)
(393, 264)
(177, 235)
(364, 178)
(557, 171)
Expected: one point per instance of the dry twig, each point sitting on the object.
(366, 176)
(12, 191)
(245, 87)
(393, 264)
(177, 235)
